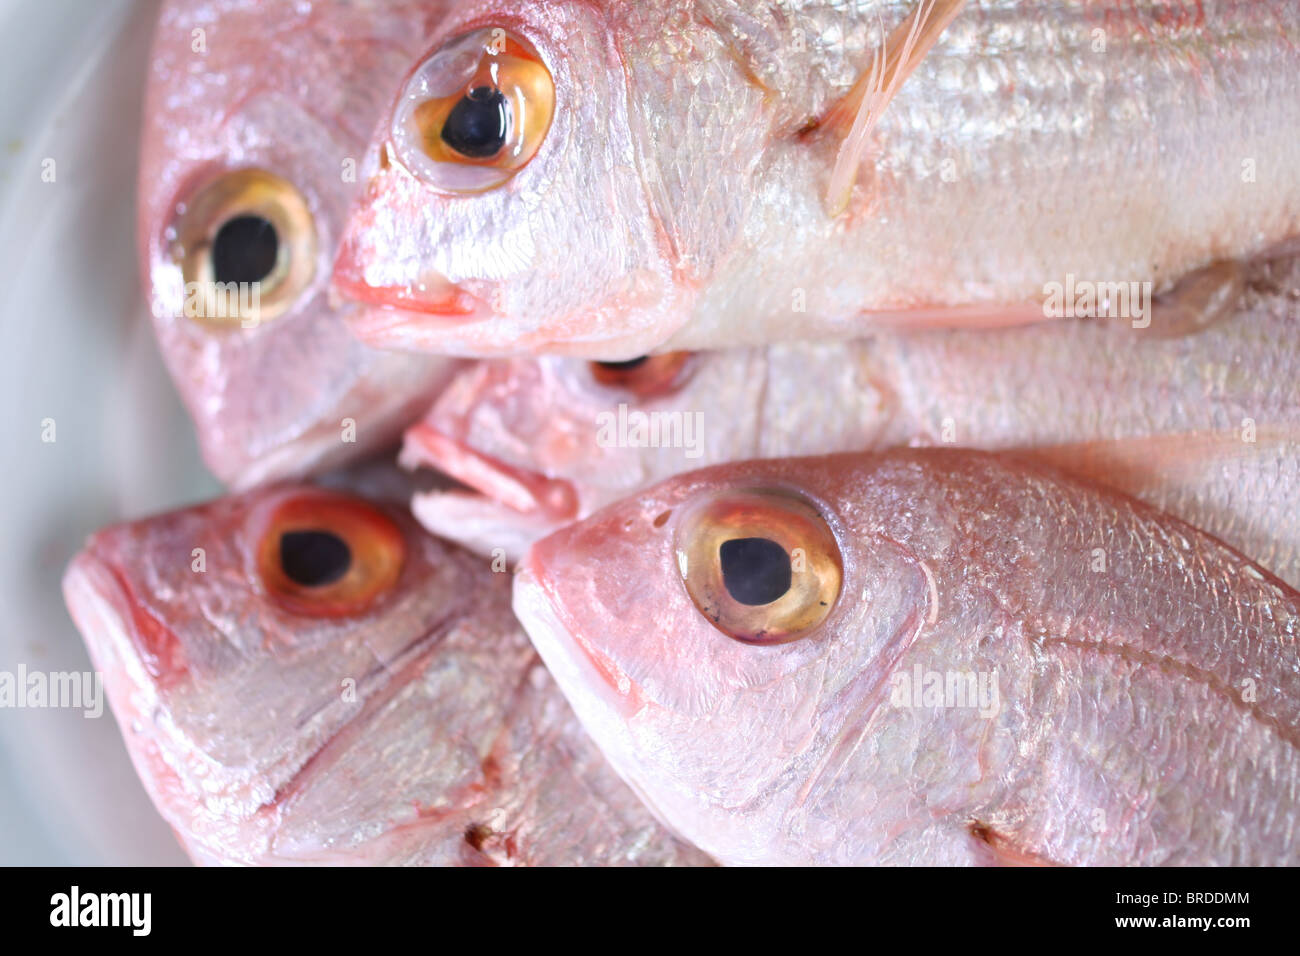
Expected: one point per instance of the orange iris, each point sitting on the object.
(325, 554)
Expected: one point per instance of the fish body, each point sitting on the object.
(275, 725)
(1201, 420)
(1018, 667)
(263, 110)
(679, 198)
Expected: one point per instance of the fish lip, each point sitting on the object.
(451, 302)
(504, 531)
(519, 489)
(109, 618)
(563, 648)
(431, 298)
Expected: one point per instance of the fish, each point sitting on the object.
(302, 676)
(927, 656)
(1198, 414)
(256, 116)
(610, 180)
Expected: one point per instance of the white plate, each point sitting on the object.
(77, 349)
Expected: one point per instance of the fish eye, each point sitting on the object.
(763, 566)
(324, 554)
(246, 245)
(475, 112)
(646, 376)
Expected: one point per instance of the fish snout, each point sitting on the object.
(123, 637)
(590, 679)
(397, 311)
(404, 300)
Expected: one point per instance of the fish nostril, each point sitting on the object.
(245, 250)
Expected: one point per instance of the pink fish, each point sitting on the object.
(256, 117)
(303, 676)
(927, 656)
(607, 180)
(1197, 413)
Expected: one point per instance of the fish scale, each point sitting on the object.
(1113, 142)
(1198, 418)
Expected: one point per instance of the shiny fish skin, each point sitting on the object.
(1164, 418)
(457, 748)
(293, 88)
(1149, 712)
(679, 199)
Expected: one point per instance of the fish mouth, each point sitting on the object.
(395, 310)
(435, 297)
(526, 492)
(575, 663)
(122, 636)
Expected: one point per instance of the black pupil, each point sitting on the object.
(754, 570)
(244, 250)
(314, 558)
(627, 366)
(478, 125)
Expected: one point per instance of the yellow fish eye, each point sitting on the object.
(763, 566)
(325, 554)
(245, 242)
(475, 112)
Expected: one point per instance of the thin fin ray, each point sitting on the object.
(862, 106)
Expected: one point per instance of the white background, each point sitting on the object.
(75, 346)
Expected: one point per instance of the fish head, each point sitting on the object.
(719, 633)
(288, 662)
(539, 442)
(256, 118)
(508, 204)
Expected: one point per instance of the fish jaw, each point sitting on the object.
(507, 507)
(480, 524)
(516, 488)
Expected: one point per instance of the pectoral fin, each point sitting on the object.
(857, 113)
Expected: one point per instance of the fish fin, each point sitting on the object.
(994, 848)
(857, 113)
(1140, 465)
(974, 316)
(1199, 300)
